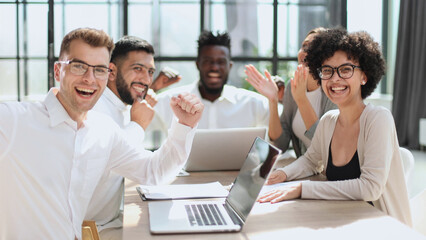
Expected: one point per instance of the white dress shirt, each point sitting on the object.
(104, 207)
(236, 107)
(49, 169)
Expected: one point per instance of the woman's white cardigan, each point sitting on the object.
(382, 177)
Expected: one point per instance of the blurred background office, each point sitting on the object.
(265, 33)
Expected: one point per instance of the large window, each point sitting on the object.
(266, 33)
(23, 51)
(370, 21)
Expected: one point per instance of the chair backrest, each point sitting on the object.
(408, 163)
(89, 230)
(418, 211)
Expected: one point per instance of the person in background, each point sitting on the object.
(226, 106)
(304, 103)
(53, 153)
(356, 146)
(128, 101)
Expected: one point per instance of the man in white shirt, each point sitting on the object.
(132, 65)
(53, 153)
(225, 106)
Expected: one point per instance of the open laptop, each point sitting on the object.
(212, 215)
(221, 149)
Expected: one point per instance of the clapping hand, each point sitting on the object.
(299, 83)
(265, 86)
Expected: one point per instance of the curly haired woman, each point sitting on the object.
(355, 147)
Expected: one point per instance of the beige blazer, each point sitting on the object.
(382, 177)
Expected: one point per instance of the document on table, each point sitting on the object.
(182, 191)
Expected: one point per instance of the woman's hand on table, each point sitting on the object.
(281, 194)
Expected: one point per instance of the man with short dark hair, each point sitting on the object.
(53, 153)
(129, 103)
(225, 106)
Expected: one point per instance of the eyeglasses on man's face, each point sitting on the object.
(79, 68)
(344, 71)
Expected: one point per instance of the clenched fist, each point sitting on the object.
(187, 108)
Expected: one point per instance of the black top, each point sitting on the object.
(351, 170)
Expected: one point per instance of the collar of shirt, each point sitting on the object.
(110, 96)
(57, 112)
(228, 93)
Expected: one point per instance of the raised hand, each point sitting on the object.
(166, 78)
(265, 86)
(187, 108)
(299, 83)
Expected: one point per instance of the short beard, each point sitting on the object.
(213, 91)
(123, 89)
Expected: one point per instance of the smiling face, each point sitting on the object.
(133, 74)
(78, 94)
(343, 91)
(214, 65)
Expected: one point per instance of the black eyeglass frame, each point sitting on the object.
(336, 69)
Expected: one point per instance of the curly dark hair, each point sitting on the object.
(207, 38)
(359, 46)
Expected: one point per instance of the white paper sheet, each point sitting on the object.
(183, 191)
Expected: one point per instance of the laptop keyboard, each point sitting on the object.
(204, 215)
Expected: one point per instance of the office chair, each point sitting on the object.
(407, 162)
(89, 230)
(418, 210)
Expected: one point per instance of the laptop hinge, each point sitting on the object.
(233, 214)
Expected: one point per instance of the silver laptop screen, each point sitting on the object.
(252, 176)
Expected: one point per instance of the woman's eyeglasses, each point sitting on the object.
(344, 71)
